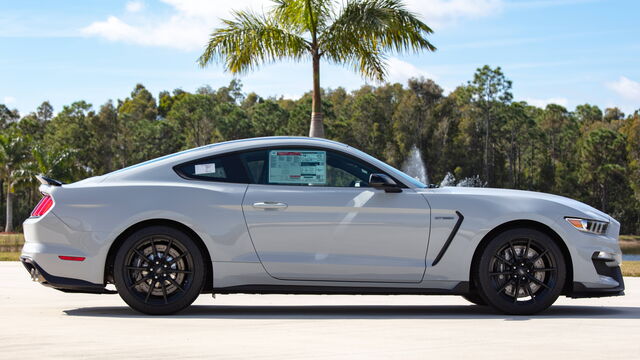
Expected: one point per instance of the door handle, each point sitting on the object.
(269, 205)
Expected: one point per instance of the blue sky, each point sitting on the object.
(563, 51)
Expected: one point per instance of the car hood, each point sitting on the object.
(521, 195)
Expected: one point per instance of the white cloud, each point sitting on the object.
(401, 71)
(187, 29)
(542, 103)
(440, 13)
(134, 6)
(193, 20)
(626, 88)
(8, 100)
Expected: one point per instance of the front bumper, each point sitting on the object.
(581, 290)
(61, 283)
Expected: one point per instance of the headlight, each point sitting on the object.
(590, 226)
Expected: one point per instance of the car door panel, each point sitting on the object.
(338, 234)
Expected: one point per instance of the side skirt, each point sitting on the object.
(461, 289)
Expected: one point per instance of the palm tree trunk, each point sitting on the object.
(317, 128)
(9, 220)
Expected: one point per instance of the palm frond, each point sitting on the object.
(250, 40)
(303, 15)
(375, 25)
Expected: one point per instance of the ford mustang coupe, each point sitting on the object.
(292, 215)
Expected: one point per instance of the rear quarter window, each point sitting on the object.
(225, 168)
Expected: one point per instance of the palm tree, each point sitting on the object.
(13, 154)
(359, 34)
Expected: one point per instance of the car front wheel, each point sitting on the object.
(159, 270)
(520, 272)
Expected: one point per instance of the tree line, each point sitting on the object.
(475, 132)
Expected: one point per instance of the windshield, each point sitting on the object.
(413, 181)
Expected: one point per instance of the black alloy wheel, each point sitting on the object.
(521, 271)
(159, 270)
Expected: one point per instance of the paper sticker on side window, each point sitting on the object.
(205, 169)
(297, 167)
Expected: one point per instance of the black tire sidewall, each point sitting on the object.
(484, 283)
(475, 299)
(180, 303)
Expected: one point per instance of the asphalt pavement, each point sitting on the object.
(39, 322)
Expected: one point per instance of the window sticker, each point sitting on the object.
(205, 169)
(297, 167)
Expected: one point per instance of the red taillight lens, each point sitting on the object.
(43, 206)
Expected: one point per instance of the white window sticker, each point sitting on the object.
(297, 167)
(205, 169)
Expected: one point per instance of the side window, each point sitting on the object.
(344, 171)
(254, 162)
(225, 168)
(306, 167)
(297, 167)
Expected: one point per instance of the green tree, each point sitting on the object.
(7, 116)
(603, 171)
(490, 91)
(359, 34)
(193, 117)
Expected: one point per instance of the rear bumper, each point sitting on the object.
(61, 283)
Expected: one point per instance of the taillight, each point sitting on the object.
(43, 206)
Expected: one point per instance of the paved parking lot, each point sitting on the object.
(36, 321)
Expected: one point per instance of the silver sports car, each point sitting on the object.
(311, 216)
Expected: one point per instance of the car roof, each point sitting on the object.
(220, 148)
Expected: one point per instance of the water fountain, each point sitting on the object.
(414, 166)
(473, 181)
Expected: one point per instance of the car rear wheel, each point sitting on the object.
(520, 272)
(159, 270)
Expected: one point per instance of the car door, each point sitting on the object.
(312, 216)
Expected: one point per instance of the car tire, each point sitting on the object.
(159, 270)
(475, 299)
(520, 272)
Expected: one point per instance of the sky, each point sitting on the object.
(567, 52)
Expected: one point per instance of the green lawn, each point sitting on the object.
(11, 244)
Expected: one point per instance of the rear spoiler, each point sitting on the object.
(48, 181)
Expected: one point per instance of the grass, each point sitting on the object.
(11, 245)
(631, 268)
(9, 256)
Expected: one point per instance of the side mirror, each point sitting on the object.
(384, 182)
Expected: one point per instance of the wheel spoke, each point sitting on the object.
(529, 292)
(539, 256)
(153, 284)
(176, 271)
(140, 281)
(526, 250)
(504, 286)
(513, 251)
(137, 268)
(164, 291)
(144, 258)
(535, 270)
(503, 259)
(516, 290)
(178, 258)
(175, 283)
(535, 280)
(166, 251)
(155, 249)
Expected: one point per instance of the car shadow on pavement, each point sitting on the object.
(365, 312)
